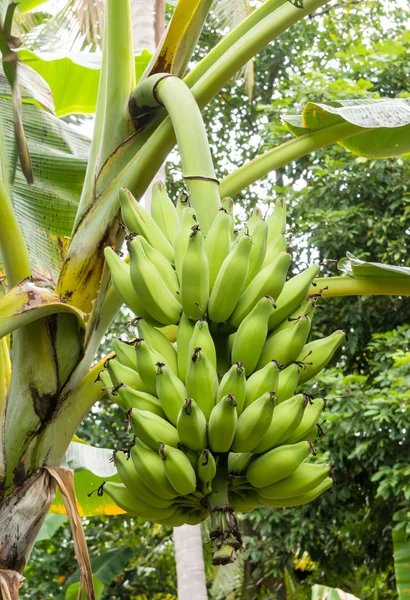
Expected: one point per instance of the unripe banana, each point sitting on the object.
(185, 331)
(228, 204)
(134, 483)
(243, 502)
(148, 465)
(158, 342)
(250, 338)
(182, 203)
(206, 467)
(253, 423)
(164, 212)
(191, 426)
(274, 247)
(310, 417)
(318, 353)
(288, 381)
(258, 251)
(234, 382)
(138, 220)
(178, 469)
(135, 399)
(195, 277)
(152, 429)
(133, 505)
(109, 388)
(190, 454)
(286, 418)
(125, 353)
(147, 359)
(121, 374)
(307, 308)
(202, 381)
(277, 220)
(150, 287)
(261, 381)
(302, 498)
(268, 282)
(201, 338)
(121, 281)
(222, 424)
(230, 281)
(162, 265)
(218, 244)
(196, 517)
(277, 464)
(238, 462)
(255, 218)
(285, 346)
(170, 391)
(293, 293)
(306, 478)
(188, 220)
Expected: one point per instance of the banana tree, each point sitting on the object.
(59, 298)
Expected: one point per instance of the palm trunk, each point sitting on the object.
(190, 563)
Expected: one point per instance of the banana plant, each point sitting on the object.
(59, 300)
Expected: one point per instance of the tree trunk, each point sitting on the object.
(190, 563)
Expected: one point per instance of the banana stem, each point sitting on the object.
(361, 286)
(12, 245)
(197, 166)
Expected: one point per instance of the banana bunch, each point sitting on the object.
(218, 421)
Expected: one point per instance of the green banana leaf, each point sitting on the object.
(387, 121)
(92, 466)
(74, 78)
(73, 590)
(359, 268)
(322, 592)
(51, 524)
(401, 546)
(27, 5)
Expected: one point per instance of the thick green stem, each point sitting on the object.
(361, 286)
(197, 166)
(12, 245)
(282, 155)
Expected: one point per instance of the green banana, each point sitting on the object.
(318, 353)
(274, 247)
(191, 426)
(230, 281)
(258, 251)
(206, 467)
(149, 466)
(310, 417)
(277, 464)
(133, 505)
(110, 390)
(178, 469)
(135, 399)
(286, 418)
(306, 478)
(222, 424)
(268, 282)
(302, 498)
(158, 342)
(138, 220)
(253, 423)
(238, 462)
(188, 220)
(162, 265)
(306, 309)
(255, 218)
(293, 293)
(170, 391)
(125, 353)
(195, 276)
(249, 341)
(243, 502)
(150, 287)
(277, 220)
(134, 483)
(182, 203)
(184, 334)
(121, 374)
(201, 338)
(147, 359)
(164, 212)
(234, 382)
(202, 381)
(122, 284)
(152, 429)
(218, 244)
(288, 381)
(228, 205)
(285, 346)
(265, 379)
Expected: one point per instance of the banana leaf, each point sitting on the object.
(322, 592)
(385, 123)
(401, 546)
(360, 268)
